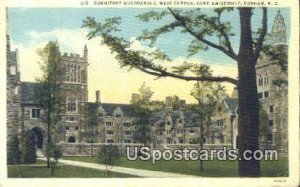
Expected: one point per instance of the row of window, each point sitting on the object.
(179, 131)
(261, 81)
(262, 95)
(111, 124)
(113, 141)
(68, 128)
(169, 123)
(111, 132)
(73, 73)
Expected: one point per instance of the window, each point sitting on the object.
(266, 94)
(127, 133)
(192, 131)
(269, 137)
(181, 141)
(67, 127)
(109, 141)
(35, 113)
(110, 132)
(72, 104)
(127, 141)
(168, 132)
(118, 116)
(16, 90)
(180, 121)
(179, 131)
(101, 115)
(260, 95)
(109, 124)
(168, 123)
(271, 123)
(126, 124)
(76, 128)
(71, 119)
(260, 81)
(271, 108)
(13, 70)
(73, 73)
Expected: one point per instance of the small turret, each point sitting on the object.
(85, 52)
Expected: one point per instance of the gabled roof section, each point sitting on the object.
(111, 107)
(231, 104)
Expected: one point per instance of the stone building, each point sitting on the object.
(272, 88)
(13, 89)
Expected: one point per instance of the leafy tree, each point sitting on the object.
(56, 154)
(13, 151)
(50, 94)
(206, 30)
(208, 96)
(109, 155)
(91, 122)
(29, 155)
(144, 108)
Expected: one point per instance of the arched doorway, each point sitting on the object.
(38, 137)
(71, 139)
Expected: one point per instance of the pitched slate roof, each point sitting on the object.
(28, 92)
(232, 104)
(110, 107)
(190, 118)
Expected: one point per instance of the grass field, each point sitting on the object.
(211, 168)
(39, 170)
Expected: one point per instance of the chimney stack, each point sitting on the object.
(135, 98)
(182, 104)
(98, 97)
(168, 102)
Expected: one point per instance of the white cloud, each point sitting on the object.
(105, 74)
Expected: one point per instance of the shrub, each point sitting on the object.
(29, 147)
(109, 155)
(13, 150)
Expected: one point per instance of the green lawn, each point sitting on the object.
(39, 170)
(211, 168)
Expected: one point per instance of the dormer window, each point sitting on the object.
(118, 115)
(100, 115)
(109, 124)
(179, 121)
(168, 123)
(126, 124)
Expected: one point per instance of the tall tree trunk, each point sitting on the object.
(248, 108)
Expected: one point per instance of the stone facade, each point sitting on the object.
(274, 97)
(13, 89)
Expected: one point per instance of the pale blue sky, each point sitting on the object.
(24, 20)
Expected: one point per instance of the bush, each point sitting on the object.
(13, 150)
(29, 147)
(109, 155)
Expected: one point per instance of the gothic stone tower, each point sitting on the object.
(274, 98)
(13, 101)
(76, 94)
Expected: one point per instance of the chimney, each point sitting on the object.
(182, 104)
(134, 98)
(168, 102)
(98, 97)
